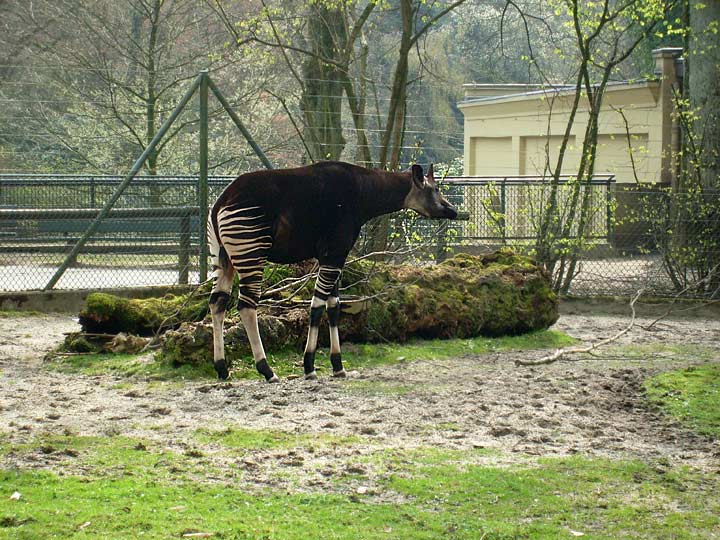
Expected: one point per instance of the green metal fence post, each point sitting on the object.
(123, 185)
(203, 177)
(503, 210)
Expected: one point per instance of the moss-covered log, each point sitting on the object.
(110, 314)
(466, 296)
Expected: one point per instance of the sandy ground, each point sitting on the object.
(593, 406)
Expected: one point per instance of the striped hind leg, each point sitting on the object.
(219, 299)
(246, 236)
(325, 295)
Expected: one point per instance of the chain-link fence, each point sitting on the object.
(151, 236)
(633, 237)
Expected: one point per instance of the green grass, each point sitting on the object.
(685, 352)
(600, 498)
(142, 367)
(360, 356)
(691, 395)
(15, 314)
(355, 356)
(371, 355)
(252, 439)
(130, 489)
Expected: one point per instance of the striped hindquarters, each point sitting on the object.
(245, 235)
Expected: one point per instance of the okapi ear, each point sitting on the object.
(416, 172)
(430, 174)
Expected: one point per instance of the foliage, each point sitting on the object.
(684, 228)
(682, 221)
(80, 101)
(604, 35)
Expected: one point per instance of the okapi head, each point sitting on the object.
(425, 197)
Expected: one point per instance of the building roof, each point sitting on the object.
(542, 90)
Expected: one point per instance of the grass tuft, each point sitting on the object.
(691, 395)
(261, 439)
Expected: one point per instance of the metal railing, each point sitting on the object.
(508, 209)
(153, 233)
(635, 236)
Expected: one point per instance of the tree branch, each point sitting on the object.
(559, 354)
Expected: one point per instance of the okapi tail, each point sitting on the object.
(218, 254)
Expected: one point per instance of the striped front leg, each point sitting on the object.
(325, 295)
(333, 311)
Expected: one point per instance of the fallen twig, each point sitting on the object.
(561, 353)
(89, 334)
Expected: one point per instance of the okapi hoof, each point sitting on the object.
(222, 370)
(340, 374)
(274, 379)
(312, 376)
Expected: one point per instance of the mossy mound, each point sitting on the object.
(110, 314)
(466, 296)
(463, 297)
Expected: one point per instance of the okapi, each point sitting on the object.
(291, 215)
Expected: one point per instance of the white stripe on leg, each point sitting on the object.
(334, 333)
(250, 322)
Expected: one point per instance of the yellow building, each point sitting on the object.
(510, 128)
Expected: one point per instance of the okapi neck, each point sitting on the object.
(386, 193)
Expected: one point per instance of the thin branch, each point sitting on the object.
(294, 123)
(434, 19)
(559, 354)
(670, 310)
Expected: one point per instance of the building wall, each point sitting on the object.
(513, 135)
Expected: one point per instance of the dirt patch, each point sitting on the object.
(592, 406)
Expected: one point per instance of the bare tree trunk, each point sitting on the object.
(703, 222)
(704, 85)
(391, 142)
(151, 103)
(321, 101)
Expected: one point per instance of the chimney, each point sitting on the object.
(669, 70)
